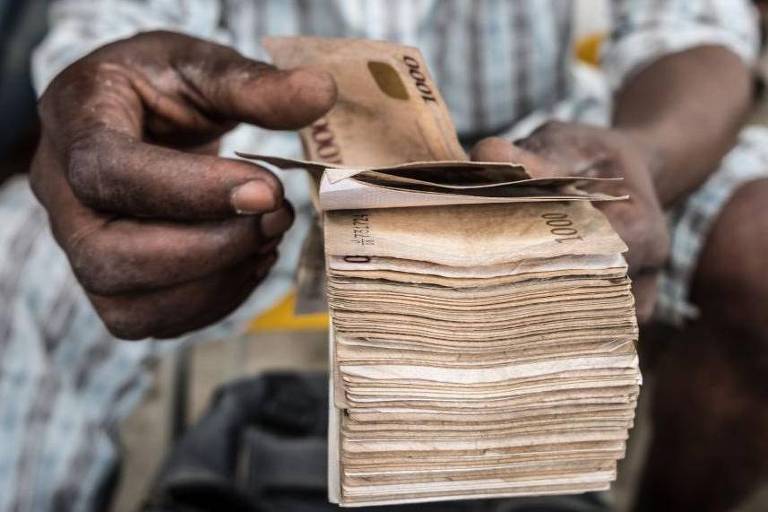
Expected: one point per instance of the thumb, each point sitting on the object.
(232, 86)
(496, 149)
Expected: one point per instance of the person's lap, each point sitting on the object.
(710, 395)
(731, 281)
(714, 231)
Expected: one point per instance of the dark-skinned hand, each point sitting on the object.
(567, 149)
(165, 236)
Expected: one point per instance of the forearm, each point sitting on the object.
(686, 110)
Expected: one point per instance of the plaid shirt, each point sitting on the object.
(502, 66)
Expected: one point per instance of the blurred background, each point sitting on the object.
(22, 26)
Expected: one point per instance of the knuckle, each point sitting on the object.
(123, 323)
(58, 91)
(489, 147)
(94, 266)
(134, 319)
(233, 64)
(83, 169)
(156, 43)
(550, 127)
(537, 141)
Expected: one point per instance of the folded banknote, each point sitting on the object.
(483, 328)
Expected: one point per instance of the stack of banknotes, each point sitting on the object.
(483, 329)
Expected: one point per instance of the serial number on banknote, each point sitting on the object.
(361, 230)
(561, 227)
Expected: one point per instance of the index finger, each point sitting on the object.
(112, 171)
(97, 115)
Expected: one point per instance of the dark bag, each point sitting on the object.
(262, 447)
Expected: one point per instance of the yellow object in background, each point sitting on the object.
(587, 48)
(281, 317)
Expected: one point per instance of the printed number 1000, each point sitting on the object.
(561, 227)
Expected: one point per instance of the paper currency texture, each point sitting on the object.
(483, 329)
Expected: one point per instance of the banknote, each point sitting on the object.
(482, 339)
(390, 141)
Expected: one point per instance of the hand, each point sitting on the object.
(567, 149)
(163, 235)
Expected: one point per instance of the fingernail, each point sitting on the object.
(254, 197)
(276, 223)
